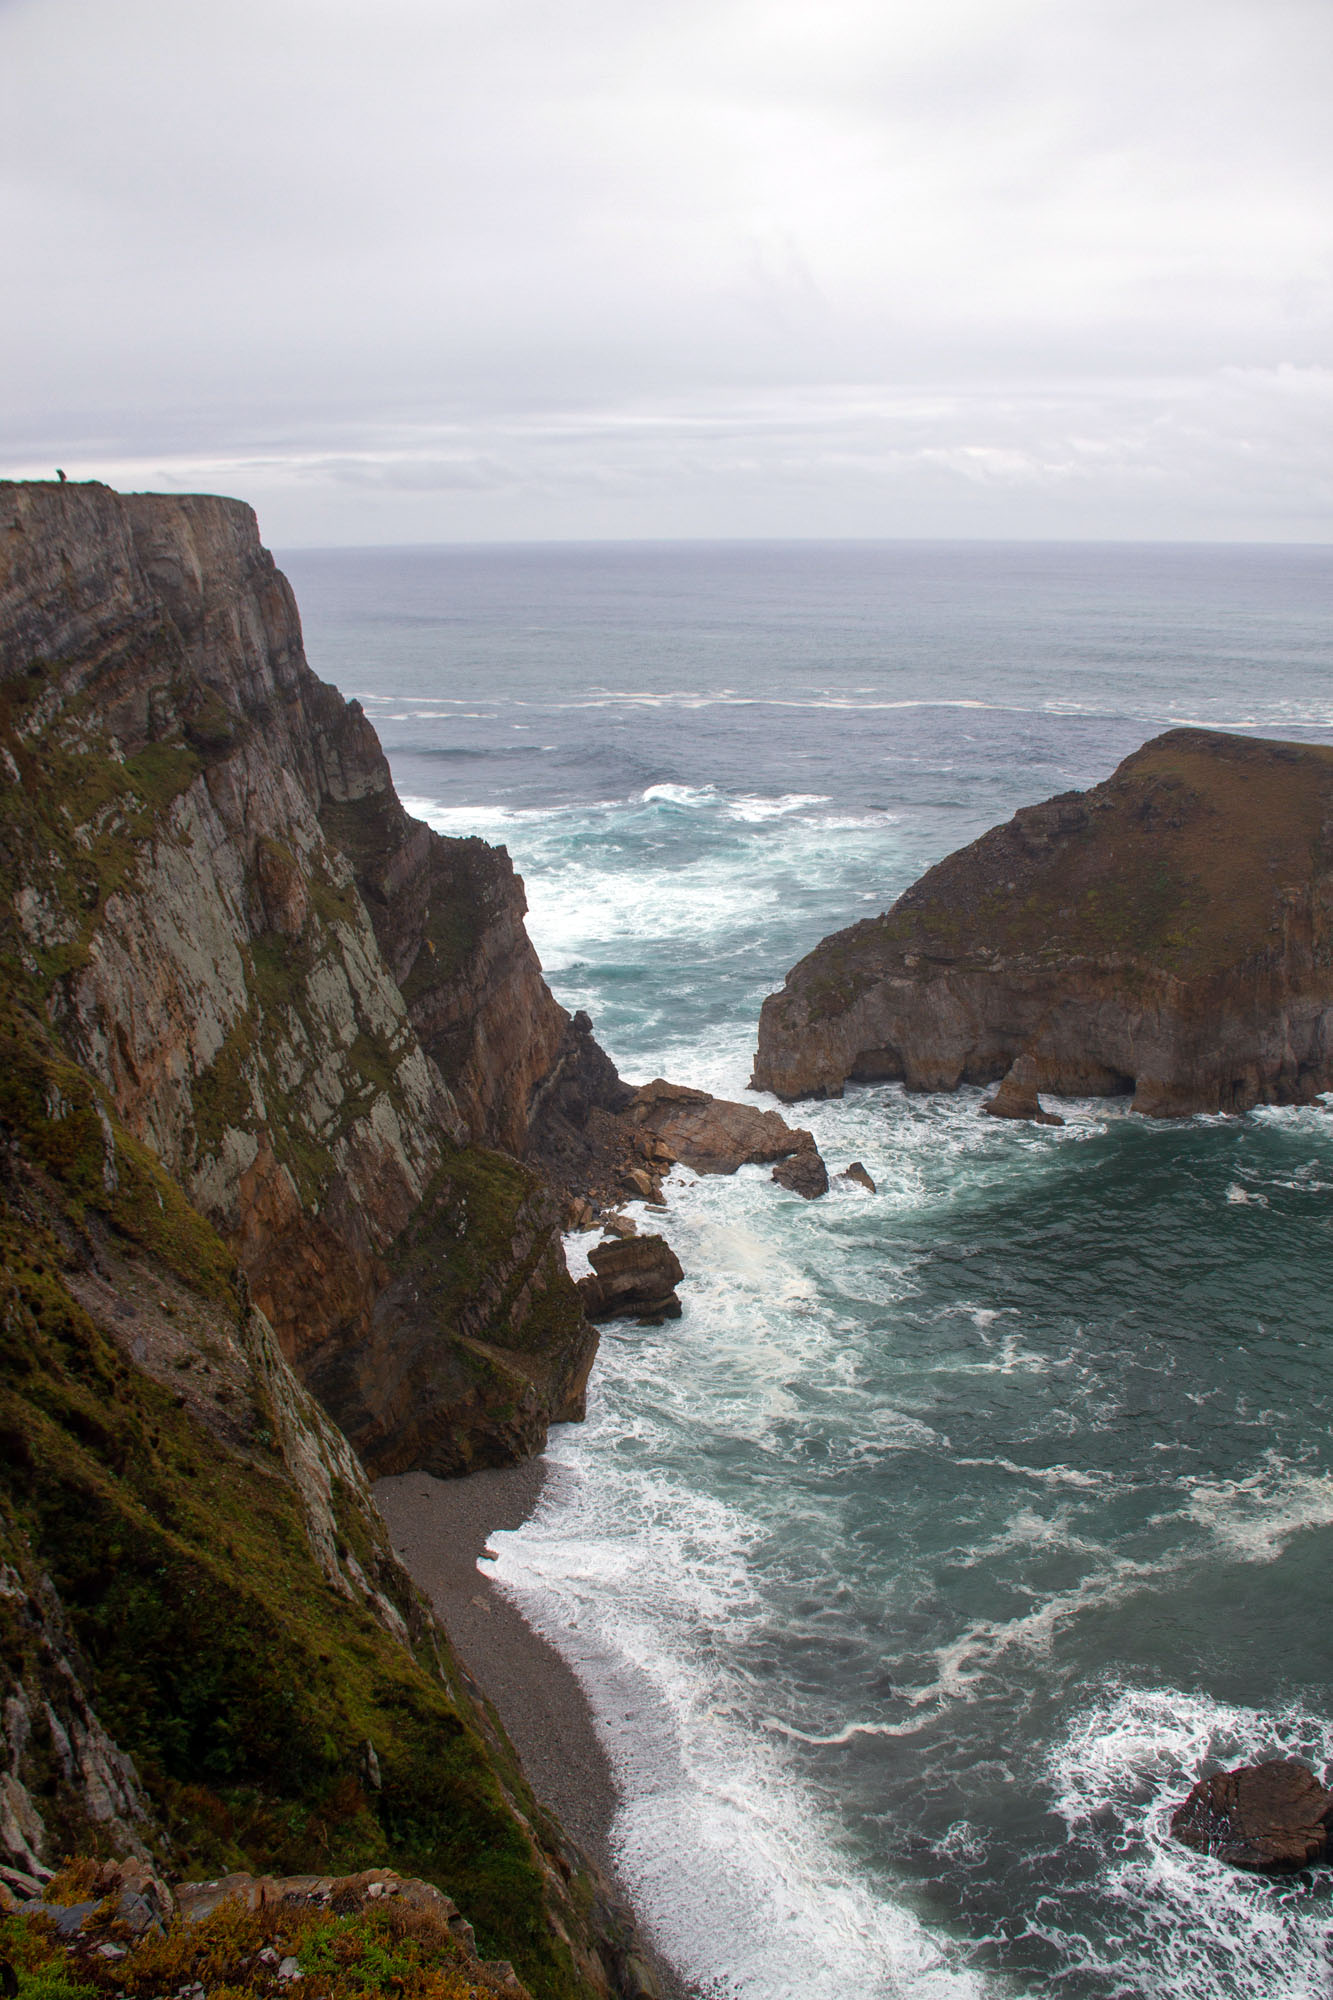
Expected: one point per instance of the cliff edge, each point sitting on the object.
(325, 1020)
(1169, 933)
(271, 1054)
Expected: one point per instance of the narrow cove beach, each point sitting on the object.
(441, 1529)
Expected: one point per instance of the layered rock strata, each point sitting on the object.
(325, 1020)
(1168, 933)
(633, 1277)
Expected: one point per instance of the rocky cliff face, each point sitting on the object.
(1169, 932)
(209, 1655)
(321, 1016)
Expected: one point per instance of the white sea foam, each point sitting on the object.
(972, 1662)
(1240, 1197)
(1047, 1475)
(1255, 1516)
(735, 1870)
(600, 883)
(1026, 1530)
(749, 808)
(1179, 1922)
(658, 1560)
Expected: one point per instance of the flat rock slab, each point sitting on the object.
(1268, 1817)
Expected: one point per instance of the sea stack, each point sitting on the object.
(1168, 933)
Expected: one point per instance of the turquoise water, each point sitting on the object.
(917, 1569)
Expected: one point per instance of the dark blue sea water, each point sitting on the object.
(919, 1568)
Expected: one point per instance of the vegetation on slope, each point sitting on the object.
(249, 1691)
(1181, 858)
(307, 1953)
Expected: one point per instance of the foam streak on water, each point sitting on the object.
(919, 1568)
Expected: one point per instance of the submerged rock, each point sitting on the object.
(633, 1278)
(1268, 1817)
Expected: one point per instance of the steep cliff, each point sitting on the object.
(208, 1653)
(318, 1014)
(1169, 932)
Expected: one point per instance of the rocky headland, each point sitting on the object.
(289, 1126)
(1168, 933)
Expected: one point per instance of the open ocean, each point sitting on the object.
(917, 1570)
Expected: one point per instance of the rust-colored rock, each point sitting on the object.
(1168, 933)
(712, 1135)
(634, 1277)
(804, 1173)
(1017, 1096)
(856, 1172)
(1268, 1817)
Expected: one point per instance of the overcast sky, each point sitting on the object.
(415, 270)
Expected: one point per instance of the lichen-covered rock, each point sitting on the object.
(208, 1651)
(252, 1079)
(114, 1926)
(1168, 933)
(64, 1778)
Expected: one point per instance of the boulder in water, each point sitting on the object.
(633, 1278)
(804, 1173)
(712, 1135)
(1268, 1817)
(1017, 1096)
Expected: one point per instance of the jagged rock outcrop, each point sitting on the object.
(1267, 1817)
(1018, 1097)
(577, 1135)
(1169, 932)
(319, 1014)
(267, 1048)
(712, 1135)
(633, 1277)
(804, 1173)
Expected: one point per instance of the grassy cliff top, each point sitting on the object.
(1191, 856)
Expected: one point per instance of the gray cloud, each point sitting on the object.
(406, 268)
